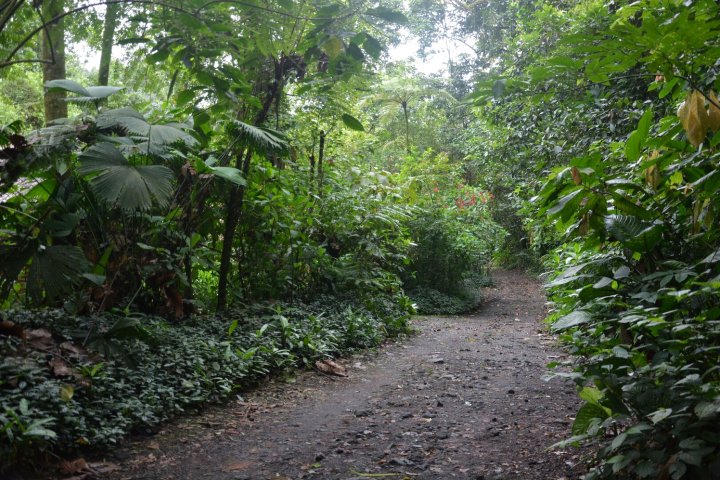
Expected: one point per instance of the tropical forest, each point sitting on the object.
(356, 239)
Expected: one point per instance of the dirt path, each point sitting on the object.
(463, 399)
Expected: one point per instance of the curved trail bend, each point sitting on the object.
(465, 398)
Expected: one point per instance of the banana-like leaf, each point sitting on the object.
(55, 270)
(119, 183)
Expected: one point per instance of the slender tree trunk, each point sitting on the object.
(321, 155)
(108, 39)
(52, 51)
(407, 127)
(234, 205)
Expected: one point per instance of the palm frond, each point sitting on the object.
(55, 270)
(121, 184)
(155, 138)
(260, 138)
(85, 94)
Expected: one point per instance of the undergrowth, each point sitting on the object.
(85, 382)
(466, 298)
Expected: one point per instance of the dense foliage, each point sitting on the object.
(619, 107)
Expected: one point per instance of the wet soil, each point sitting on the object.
(465, 398)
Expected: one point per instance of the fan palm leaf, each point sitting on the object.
(122, 184)
(55, 270)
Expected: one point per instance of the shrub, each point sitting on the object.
(429, 301)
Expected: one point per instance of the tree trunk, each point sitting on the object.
(321, 155)
(232, 219)
(407, 127)
(52, 51)
(108, 39)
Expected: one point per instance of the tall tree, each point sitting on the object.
(108, 39)
(52, 52)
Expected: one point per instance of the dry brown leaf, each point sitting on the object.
(59, 367)
(235, 466)
(577, 178)
(11, 329)
(71, 467)
(102, 467)
(331, 368)
(713, 113)
(72, 349)
(694, 117)
(652, 176)
(40, 338)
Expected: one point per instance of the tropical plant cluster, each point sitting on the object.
(620, 107)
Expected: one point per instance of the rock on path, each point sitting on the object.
(463, 399)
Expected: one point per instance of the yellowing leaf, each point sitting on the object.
(652, 176)
(713, 112)
(676, 178)
(694, 117)
(333, 46)
(66, 392)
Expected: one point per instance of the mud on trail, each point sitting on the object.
(465, 398)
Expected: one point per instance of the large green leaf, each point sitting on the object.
(55, 270)
(86, 94)
(566, 202)
(634, 233)
(63, 85)
(571, 320)
(352, 122)
(585, 417)
(152, 139)
(122, 185)
(637, 139)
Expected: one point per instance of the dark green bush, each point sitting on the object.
(429, 301)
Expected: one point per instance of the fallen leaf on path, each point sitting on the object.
(104, 467)
(71, 467)
(235, 466)
(331, 368)
(69, 347)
